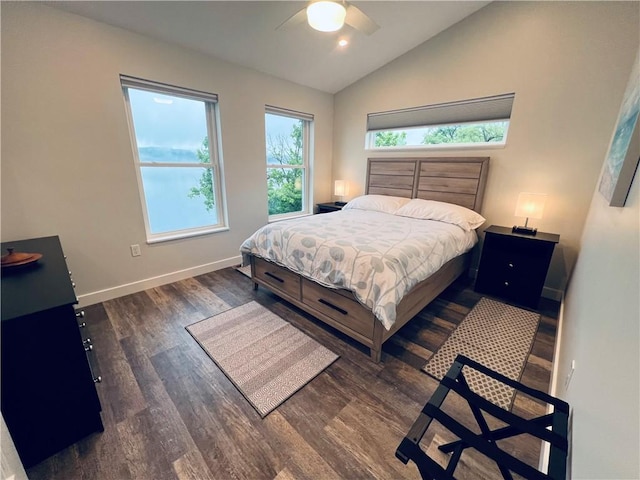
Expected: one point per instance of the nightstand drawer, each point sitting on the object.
(521, 289)
(516, 262)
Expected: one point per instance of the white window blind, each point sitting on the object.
(289, 113)
(484, 109)
(143, 84)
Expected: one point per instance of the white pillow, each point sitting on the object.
(442, 212)
(377, 203)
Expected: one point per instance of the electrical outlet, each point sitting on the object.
(135, 250)
(570, 374)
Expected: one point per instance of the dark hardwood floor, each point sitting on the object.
(169, 412)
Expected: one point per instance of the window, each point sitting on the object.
(176, 154)
(288, 150)
(479, 122)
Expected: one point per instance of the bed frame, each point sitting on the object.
(454, 180)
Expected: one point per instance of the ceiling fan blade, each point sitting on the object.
(294, 19)
(359, 20)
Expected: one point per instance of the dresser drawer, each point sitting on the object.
(339, 307)
(277, 277)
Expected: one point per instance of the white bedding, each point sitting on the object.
(378, 256)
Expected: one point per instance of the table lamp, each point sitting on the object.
(530, 205)
(341, 189)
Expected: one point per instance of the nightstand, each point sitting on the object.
(330, 207)
(514, 266)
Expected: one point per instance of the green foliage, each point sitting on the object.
(390, 139)
(478, 133)
(284, 185)
(205, 185)
(285, 193)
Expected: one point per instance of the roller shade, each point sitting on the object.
(475, 110)
(142, 84)
(289, 113)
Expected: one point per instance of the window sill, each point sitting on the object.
(182, 235)
(289, 217)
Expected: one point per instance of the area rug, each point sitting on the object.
(265, 357)
(496, 335)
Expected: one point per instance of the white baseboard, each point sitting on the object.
(553, 387)
(129, 288)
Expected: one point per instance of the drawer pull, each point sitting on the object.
(97, 379)
(269, 274)
(331, 305)
(88, 348)
(510, 265)
(82, 325)
(506, 284)
(80, 314)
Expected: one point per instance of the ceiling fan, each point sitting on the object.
(330, 16)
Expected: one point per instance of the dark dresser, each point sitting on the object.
(514, 266)
(49, 397)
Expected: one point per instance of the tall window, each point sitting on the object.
(476, 123)
(176, 154)
(288, 136)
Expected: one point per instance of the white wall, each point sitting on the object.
(10, 466)
(67, 166)
(567, 62)
(601, 332)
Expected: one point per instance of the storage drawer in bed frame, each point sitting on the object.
(338, 306)
(278, 278)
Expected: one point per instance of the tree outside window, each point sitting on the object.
(287, 167)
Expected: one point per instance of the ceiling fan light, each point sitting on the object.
(326, 16)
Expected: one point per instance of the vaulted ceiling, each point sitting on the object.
(246, 33)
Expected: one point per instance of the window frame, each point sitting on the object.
(370, 139)
(476, 111)
(307, 161)
(212, 118)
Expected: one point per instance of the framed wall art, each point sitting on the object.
(623, 156)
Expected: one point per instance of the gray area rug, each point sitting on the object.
(265, 357)
(496, 335)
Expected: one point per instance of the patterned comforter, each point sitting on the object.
(378, 256)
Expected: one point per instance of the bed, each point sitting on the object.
(333, 294)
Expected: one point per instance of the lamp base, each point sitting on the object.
(524, 230)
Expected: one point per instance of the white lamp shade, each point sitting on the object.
(326, 16)
(530, 205)
(340, 188)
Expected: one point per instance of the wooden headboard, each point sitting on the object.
(445, 179)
